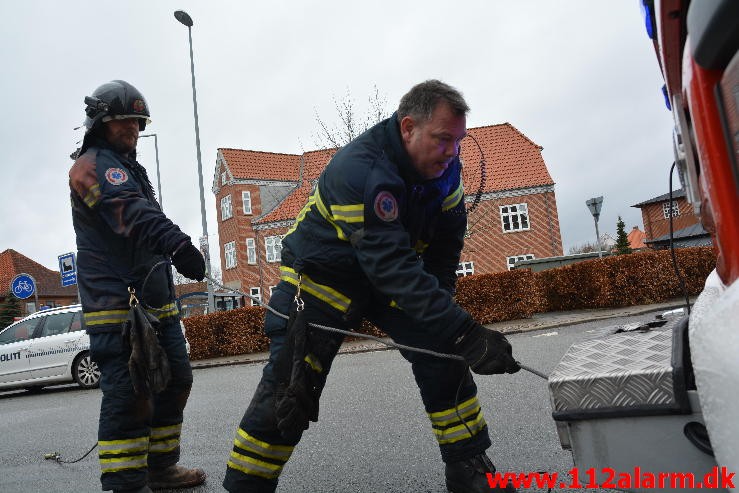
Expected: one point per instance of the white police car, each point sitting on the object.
(46, 348)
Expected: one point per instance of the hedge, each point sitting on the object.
(616, 281)
(237, 331)
(625, 280)
(501, 296)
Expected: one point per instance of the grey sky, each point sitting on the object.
(579, 78)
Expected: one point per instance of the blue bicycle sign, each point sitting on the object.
(23, 286)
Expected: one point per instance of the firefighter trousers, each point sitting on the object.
(260, 452)
(136, 433)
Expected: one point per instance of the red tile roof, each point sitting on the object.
(636, 238)
(315, 161)
(48, 282)
(258, 165)
(512, 161)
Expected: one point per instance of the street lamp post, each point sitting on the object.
(159, 179)
(594, 205)
(186, 20)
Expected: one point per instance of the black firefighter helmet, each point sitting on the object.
(115, 100)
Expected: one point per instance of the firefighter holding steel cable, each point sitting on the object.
(380, 238)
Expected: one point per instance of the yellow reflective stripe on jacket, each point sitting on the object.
(313, 362)
(104, 317)
(256, 457)
(453, 199)
(108, 447)
(323, 211)
(353, 213)
(324, 293)
(168, 310)
(93, 196)
(121, 463)
(302, 213)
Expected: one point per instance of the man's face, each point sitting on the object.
(433, 144)
(122, 134)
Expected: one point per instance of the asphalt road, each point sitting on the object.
(373, 434)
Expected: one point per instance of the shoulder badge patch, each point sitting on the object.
(386, 207)
(116, 176)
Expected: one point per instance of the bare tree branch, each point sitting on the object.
(351, 122)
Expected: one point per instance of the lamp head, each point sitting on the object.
(183, 17)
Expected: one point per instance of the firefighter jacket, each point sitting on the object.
(121, 234)
(374, 226)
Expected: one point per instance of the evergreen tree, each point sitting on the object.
(10, 308)
(622, 241)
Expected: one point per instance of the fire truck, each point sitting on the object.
(664, 396)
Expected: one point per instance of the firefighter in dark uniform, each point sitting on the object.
(122, 234)
(380, 238)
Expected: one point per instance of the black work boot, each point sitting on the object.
(174, 477)
(470, 476)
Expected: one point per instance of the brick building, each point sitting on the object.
(48, 282)
(259, 195)
(687, 229)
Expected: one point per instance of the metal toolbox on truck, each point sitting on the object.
(625, 402)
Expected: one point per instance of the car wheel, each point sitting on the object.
(85, 371)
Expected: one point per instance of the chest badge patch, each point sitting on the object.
(386, 207)
(116, 176)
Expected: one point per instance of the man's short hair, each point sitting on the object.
(419, 103)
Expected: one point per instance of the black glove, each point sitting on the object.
(189, 262)
(486, 351)
(298, 403)
(300, 380)
(148, 363)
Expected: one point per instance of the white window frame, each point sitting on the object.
(224, 178)
(257, 293)
(515, 213)
(666, 209)
(465, 269)
(271, 289)
(246, 200)
(251, 251)
(511, 261)
(229, 254)
(273, 248)
(226, 209)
